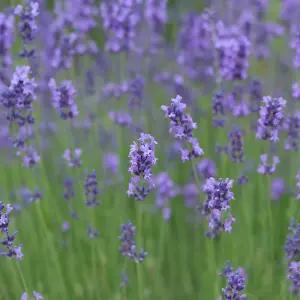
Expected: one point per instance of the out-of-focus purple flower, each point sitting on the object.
(7, 240)
(265, 168)
(27, 27)
(256, 93)
(29, 155)
(289, 11)
(296, 91)
(81, 14)
(295, 44)
(156, 14)
(206, 168)
(294, 276)
(243, 180)
(190, 194)
(292, 242)
(6, 40)
(298, 185)
(194, 41)
(128, 246)
(277, 188)
(165, 191)
(233, 52)
(236, 144)
(121, 118)
(124, 280)
(18, 97)
(120, 21)
(271, 118)
(69, 190)
(218, 197)
(292, 127)
(65, 226)
(112, 162)
(91, 189)
(181, 126)
(73, 159)
(142, 158)
(218, 109)
(63, 99)
(92, 232)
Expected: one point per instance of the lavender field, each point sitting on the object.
(149, 149)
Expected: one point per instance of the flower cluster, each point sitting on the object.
(218, 197)
(142, 158)
(36, 295)
(218, 109)
(236, 145)
(181, 126)
(63, 99)
(292, 129)
(271, 118)
(18, 97)
(128, 246)
(7, 240)
(27, 26)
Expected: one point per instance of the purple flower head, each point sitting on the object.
(65, 226)
(165, 191)
(292, 127)
(27, 26)
(236, 145)
(7, 239)
(30, 156)
(156, 14)
(121, 118)
(233, 52)
(91, 189)
(181, 126)
(142, 158)
(92, 233)
(296, 91)
(256, 95)
(298, 185)
(243, 179)
(271, 118)
(218, 109)
(292, 242)
(295, 44)
(112, 162)
(265, 168)
(68, 189)
(124, 279)
(120, 21)
(234, 287)
(277, 188)
(190, 195)
(18, 97)
(206, 168)
(6, 39)
(63, 99)
(128, 246)
(294, 276)
(73, 159)
(218, 197)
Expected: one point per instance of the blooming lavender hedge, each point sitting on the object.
(127, 129)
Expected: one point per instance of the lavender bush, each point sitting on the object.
(145, 144)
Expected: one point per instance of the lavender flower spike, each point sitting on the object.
(265, 168)
(271, 118)
(142, 158)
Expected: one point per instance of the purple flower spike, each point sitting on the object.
(63, 99)
(181, 126)
(265, 168)
(112, 162)
(236, 145)
(91, 189)
(294, 276)
(292, 129)
(27, 26)
(128, 246)
(298, 185)
(271, 118)
(277, 188)
(190, 194)
(142, 158)
(218, 110)
(218, 197)
(7, 240)
(206, 168)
